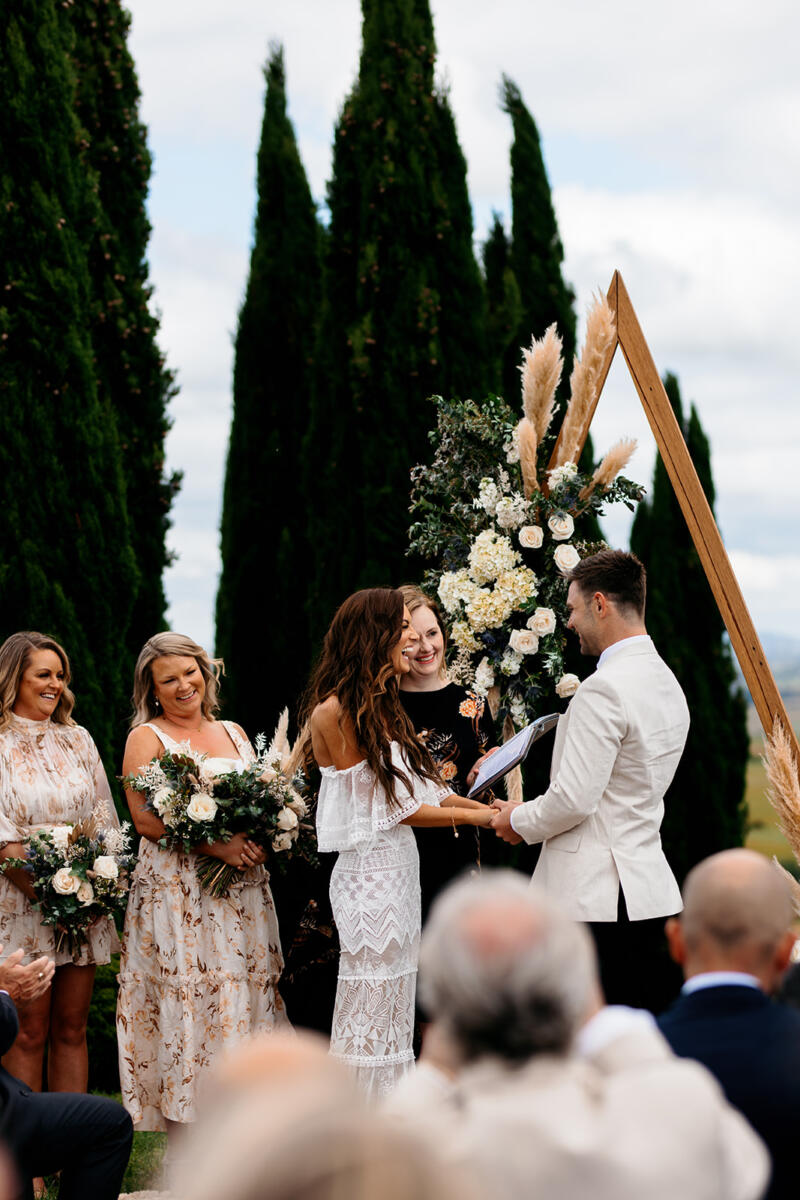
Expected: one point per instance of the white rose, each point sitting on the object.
(531, 536)
(567, 686)
(299, 806)
(287, 819)
(523, 641)
(542, 622)
(201, 807)
(59, 835)
(85, 892)
(562, 526)
(566, 558)
(162, 799)
(282, 841)
(65, 883)
(211, 768)
(106, 867)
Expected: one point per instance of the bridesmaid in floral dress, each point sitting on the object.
(50, 774)
(197, 973)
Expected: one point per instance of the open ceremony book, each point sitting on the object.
(514, 751)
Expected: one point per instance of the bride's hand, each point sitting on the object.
(239, 852)
(483, 816)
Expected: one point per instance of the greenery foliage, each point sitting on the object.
(705, 809)
(264, 507)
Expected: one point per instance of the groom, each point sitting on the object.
(616, 751)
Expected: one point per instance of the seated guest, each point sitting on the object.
(86, 1138)
(734, 943)
(510, 981)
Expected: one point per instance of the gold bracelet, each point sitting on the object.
(453, 819)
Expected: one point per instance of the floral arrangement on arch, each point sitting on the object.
(499, 517)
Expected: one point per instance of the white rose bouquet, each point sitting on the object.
(79, 873)
(504, 512)
(202, 800)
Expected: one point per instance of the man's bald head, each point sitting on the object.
(737, 913)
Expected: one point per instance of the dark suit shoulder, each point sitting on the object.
(9, 1023)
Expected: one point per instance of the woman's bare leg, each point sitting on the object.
(68, 1057)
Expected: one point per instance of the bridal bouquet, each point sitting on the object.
(79, 873)
(202, 800)
(499, 515)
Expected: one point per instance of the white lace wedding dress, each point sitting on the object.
(376, 905)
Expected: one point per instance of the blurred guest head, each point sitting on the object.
(175, 646)
(737, 909)
(34, 679)
(284, 1122)
(507, 974)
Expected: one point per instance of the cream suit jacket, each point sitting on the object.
(616, 750)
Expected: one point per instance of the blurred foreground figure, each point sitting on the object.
(542, 1101)
(734, 942)
(285, 1122)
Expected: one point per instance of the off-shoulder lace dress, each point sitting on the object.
(196, 974)
(49, 775)
(376, 905)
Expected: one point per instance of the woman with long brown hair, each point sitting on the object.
(377, 780)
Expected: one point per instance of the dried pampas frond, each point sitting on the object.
(293, 760)
(526, 440)
(541, 371)
(514, 777)
(585, 378)
(280, 740)
(614, 461)
(792, 884)
(493, 698)
(783, 790)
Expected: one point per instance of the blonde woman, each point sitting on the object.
(50, 774)
(196, 972)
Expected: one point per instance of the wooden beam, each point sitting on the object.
(699, 517)
(612, 300)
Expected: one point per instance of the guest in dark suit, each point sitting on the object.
(86, 1138)
(733, 942)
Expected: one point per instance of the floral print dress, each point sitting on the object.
(196, 974)
(50, 774)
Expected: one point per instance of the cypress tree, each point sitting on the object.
(503, 304)
(130, 370)
(537, 254)
(264, 510)
(65, 554)
(403, 312)
(705, 803)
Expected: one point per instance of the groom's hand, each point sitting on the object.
(501, 821)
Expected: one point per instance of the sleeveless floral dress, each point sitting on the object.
(196, 974)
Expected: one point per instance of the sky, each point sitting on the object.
(672, 142)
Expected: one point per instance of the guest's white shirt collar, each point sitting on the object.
(709, 979)
(611, 650)
(611, 1022)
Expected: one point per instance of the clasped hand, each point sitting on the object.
(501, 821)
(240, 852)
(25, 982)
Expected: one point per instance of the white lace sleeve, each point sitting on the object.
(352, 807)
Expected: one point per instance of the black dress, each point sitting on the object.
(457, 728)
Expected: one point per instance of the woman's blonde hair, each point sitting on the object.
(144, 700)
(414, 598)
(15, 657)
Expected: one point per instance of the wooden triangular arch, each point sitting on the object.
(694, 505)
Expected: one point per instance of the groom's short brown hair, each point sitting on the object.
(618, 575)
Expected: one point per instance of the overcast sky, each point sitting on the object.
(671, 139)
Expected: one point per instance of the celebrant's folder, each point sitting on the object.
(512, 752)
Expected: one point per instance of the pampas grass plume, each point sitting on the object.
(783, 789)
(526, 439)
(614, 461)
(541, 371)
(585, 378)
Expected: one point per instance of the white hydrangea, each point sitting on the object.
(517, 586)
(511, 662)
(488, 496)
(484, 677)
(462, 636)
(489, 608)
(519, 713)
(455, 587)
(511, 448)
(561, 475)
(511, 511)
(491, 553)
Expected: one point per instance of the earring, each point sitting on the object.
(157, 702)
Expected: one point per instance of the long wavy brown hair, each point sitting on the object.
(15, 655)
(356, 666)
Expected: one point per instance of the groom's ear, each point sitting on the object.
(675, 940)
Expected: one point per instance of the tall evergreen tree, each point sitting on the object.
(130, 369)
(537, 254)
(264, 510)
(705, 804)
(403, 314)
(503, 305)
(65, 554)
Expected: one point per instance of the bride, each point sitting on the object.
(377, 780)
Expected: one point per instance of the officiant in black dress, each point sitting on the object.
(458, 729)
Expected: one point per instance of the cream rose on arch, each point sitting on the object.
(65, 883)
(567, 686)
(531, 537)
(524, 641)
(566, 558)
(562, 526)
(542, 622)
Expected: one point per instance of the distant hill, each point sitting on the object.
(783, 656)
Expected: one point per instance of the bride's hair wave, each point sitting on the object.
(356, 666)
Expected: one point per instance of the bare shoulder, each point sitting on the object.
(327, 716)
(142, 745)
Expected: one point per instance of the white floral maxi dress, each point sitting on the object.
(50, 774)
(196, 973)
(375, 898)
